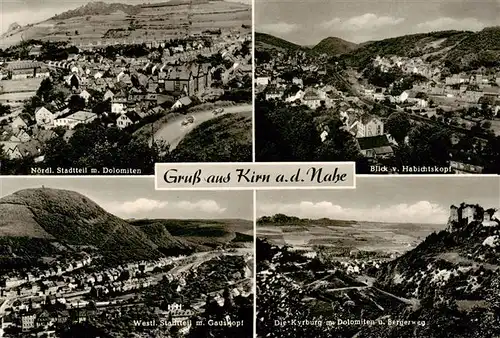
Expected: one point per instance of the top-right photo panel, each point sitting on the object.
(403, 87)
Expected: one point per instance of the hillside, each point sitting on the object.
(112, 22)
(334, 46)
(266, 41)
(197, 234)
(457, 50)
(97, 8)
(454, 275)
(281, 219)
(227, 138)
(481, 48)
(72, 219)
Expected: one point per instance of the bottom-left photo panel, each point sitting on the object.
(101, 257)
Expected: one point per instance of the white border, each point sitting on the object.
(253, 82)
(255, 263)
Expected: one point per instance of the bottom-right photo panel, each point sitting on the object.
(395, 257)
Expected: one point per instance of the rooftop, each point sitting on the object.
(80, 116)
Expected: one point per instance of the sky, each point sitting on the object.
(307, 22)
(31, 11)
(385, 199)
(136, 198)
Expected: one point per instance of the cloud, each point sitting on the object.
(208, 206)
(279, 28)
(451, 24)
(367, 21)
(420, 212)
(139, 205)
(144, 205)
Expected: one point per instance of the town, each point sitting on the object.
(44, 301)
(119, 103)
(377, 109)
(75, 267)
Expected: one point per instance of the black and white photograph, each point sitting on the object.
(409, 87)
(112, 87)
(395, 257)
(93, 257)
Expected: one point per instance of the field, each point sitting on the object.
(21, 85)
(16, 97)
(364, 236)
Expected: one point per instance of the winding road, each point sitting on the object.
(173, 132)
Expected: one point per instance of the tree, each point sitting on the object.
(429, 145)
(3, 156)
(76, 102)
(31, 104)
(285, 133)
(398, 125)
(4, 109)
(486, 125)
(45, 89)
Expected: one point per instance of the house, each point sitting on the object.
(366, 126)
(127, 119)
(19, 123)
(26, 69)
(21, 136)
(85, 95)
(323, 135)
(124, 78)
(108, 95)
(262, 80)
(404, 96)
(297, 96)
(118, 104)
(45, 135)
(11, 149)
(35, 51)
(274, 93)
(182, 102)
(136, 95)
(74, 81)
(42, 72)
(44, 319)
(72, 119)
(44, 117)
(189, 80)
(312, 98)
(298, 82)
(28, 321)
(374, 147)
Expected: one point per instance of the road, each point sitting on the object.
(172, 132)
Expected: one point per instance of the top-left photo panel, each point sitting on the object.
(111, 88)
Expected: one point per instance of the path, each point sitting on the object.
(173, 132)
